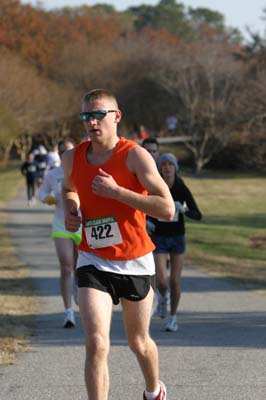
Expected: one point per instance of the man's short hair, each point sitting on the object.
(96, 94)
(150, 140)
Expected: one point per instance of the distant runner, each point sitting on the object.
(65, 241)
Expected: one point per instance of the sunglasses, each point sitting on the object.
(98, 115)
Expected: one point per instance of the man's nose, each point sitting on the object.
(92, 120)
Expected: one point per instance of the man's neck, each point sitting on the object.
(103, 148)
(99, 153)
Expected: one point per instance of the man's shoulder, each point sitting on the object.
(127, 142)
(125, 145)
(80, 147)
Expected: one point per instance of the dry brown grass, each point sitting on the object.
(17, 303)
(258, 241)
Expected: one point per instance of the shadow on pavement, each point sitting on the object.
(49, 286)
(201, 329)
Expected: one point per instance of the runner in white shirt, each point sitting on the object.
(65, 241)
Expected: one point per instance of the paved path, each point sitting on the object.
(218, 353)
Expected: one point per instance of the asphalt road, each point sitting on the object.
(217, 353)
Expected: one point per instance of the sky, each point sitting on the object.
(237, 13)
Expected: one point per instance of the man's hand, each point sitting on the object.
(104, 185)
(72, 220)
(50, 200)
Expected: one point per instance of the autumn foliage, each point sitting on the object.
(159, 60)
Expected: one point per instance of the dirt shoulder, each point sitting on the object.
(17, 303)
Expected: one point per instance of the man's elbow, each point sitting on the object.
(169, 212)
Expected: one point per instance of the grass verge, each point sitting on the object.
(16, 301)
(230, 241)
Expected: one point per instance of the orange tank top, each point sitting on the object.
(111, 229)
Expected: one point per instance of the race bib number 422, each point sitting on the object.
(102, 232)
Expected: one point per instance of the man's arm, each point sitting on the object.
(193, 211)
(69, 194)
(158, 204)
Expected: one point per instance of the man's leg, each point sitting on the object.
(28, 190)
(95, 311)
(175, 280)
(175, 291)
(64, 249)
(161, 260)
(137, 321)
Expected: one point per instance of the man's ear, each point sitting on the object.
(118, 116)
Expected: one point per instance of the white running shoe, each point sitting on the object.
(171, 324)
(69, 320)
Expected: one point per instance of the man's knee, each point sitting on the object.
(97, 345)
(139, 344)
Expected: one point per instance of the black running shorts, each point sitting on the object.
(130, 287)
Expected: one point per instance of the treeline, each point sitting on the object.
(159, 60)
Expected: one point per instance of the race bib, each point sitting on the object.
(102, 232)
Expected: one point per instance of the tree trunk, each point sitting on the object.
(7, 152)
(199, 164)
